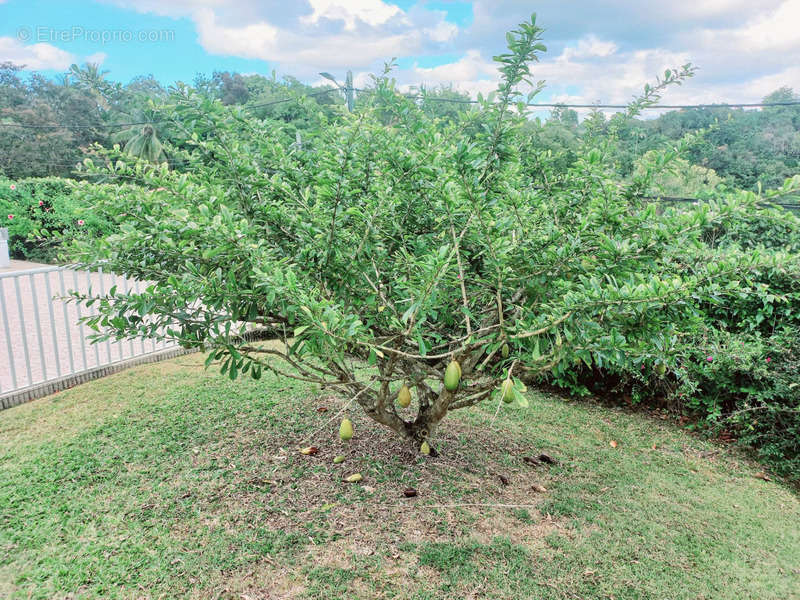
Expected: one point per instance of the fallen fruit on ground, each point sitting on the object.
(354, 478)
(309, 450)
(337, 460)
(425, 449)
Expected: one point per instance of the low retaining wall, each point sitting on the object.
(40, 390)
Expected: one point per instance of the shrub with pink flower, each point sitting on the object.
(40, 213)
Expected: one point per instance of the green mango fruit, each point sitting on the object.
(404, 396)
(355, 477)
(504, 351)
(507, 391)
(425, 449)
(338, 460)
(346, 430)
(452, 376)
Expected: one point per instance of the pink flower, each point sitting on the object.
(80, 222)
(710, 359)
(769, 360)
(13, 187)
(642, 367)
(41, 203)
(10, 217)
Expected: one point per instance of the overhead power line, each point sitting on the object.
(620, 106)
(417, 97)
(154, 122)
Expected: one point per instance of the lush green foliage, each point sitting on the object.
(41, 213)
(408, 239)
(747, 148)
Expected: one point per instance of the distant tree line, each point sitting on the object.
(741, 148)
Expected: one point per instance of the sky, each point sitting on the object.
(599, 51)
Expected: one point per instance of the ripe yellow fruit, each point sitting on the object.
(355, 477)
(346, 430)
(404, 396)
(425, 449)
(452, 376)
(507, 391)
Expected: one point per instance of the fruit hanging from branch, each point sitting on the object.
(452, 376)
(346, 430)
(404, 397)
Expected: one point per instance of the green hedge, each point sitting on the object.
(40, 213)
(741, 373)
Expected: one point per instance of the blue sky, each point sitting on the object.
(598, 51)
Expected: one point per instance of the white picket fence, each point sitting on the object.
(41, 339)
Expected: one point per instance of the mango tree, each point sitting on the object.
(390, 238)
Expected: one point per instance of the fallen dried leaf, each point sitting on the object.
(322, 409)
(535, 462)
(548, 459)
(763, 476)
(504, 480)
(309, 450)
(538, 488)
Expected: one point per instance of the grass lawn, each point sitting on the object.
(167, 481)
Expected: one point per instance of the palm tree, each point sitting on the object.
(93, 79)
(144, 144)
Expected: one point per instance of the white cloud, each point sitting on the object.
(306, 36)
(299, 53)
(373, 12)
(775, 31)
(471, 73)
(98, 58)
(609, 79)
(600, 51)
(589, 47)
(34, 56)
